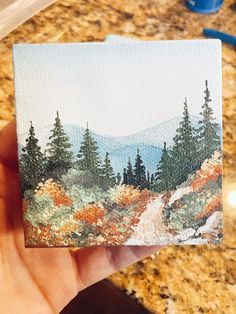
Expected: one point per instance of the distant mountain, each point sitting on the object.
(105, 143)
(157, 134)
(119, 152)
(75, 133)
(149, 141)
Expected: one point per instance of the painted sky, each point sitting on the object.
(119, 88)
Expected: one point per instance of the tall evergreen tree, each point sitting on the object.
(140, 180)
(88, 156)
(124, 177)
(59, 156)
(107, 171)
(32, 162)
(184, 149)
(130, 173)
(152, 182)
(118, 178)
(208, 138)
(163, 177)
(148, 186)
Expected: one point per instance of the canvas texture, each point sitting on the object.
(120, 143)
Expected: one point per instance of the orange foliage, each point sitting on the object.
(40, 235)
(214, 205)
(144, 195)
(204, 175)
(91, 213)
(129, 195)
(55, 191)
(68, 228)
(110, 230)
(111, 234)
(62, 199)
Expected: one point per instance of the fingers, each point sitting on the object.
(94, 264)
(8, 145)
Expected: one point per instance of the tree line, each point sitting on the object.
(191, 147)
(58, 158)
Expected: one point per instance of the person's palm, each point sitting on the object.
(44, 280)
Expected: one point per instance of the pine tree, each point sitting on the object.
(140, 180)
(118, 178)
(88, 156)
(184, 150)
(59, 156)
(130, 173)
(124, 177)
(152, 181)
(209, 141)
(32, 162)
(163, 177)
(107, 171)
(148, 186)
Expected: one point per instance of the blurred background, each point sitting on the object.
(189, 279)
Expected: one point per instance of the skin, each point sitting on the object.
(44, 280)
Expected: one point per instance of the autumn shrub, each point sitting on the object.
(81, 216)
(125, 195)
(192, 209)
(180, 215)
(213, 204)
(211, 170)
(92, 213)
(55, 191)
(39, 209)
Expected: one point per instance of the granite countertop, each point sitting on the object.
(190, 279)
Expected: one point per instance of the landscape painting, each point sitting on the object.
(120, 143)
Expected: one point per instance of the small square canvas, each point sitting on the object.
(120, 143)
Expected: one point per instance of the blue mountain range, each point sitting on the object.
(149, 142)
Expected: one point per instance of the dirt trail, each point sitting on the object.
(150, 230)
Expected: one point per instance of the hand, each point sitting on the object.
(44, 280)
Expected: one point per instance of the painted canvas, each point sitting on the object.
(120, 143)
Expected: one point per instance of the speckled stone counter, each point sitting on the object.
(199, 279)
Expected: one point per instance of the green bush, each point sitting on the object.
(81, 196)
(181, 214)
(40, 208)
(85, 179)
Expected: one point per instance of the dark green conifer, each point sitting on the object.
(184, 152)
(88, 156)
(59, 155)
(140, 180)
(163, 177)
(107, 172)
(32, 162)
(208, 137)
(130, 173)
(124, 177)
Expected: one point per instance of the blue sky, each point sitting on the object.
(119, 88)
